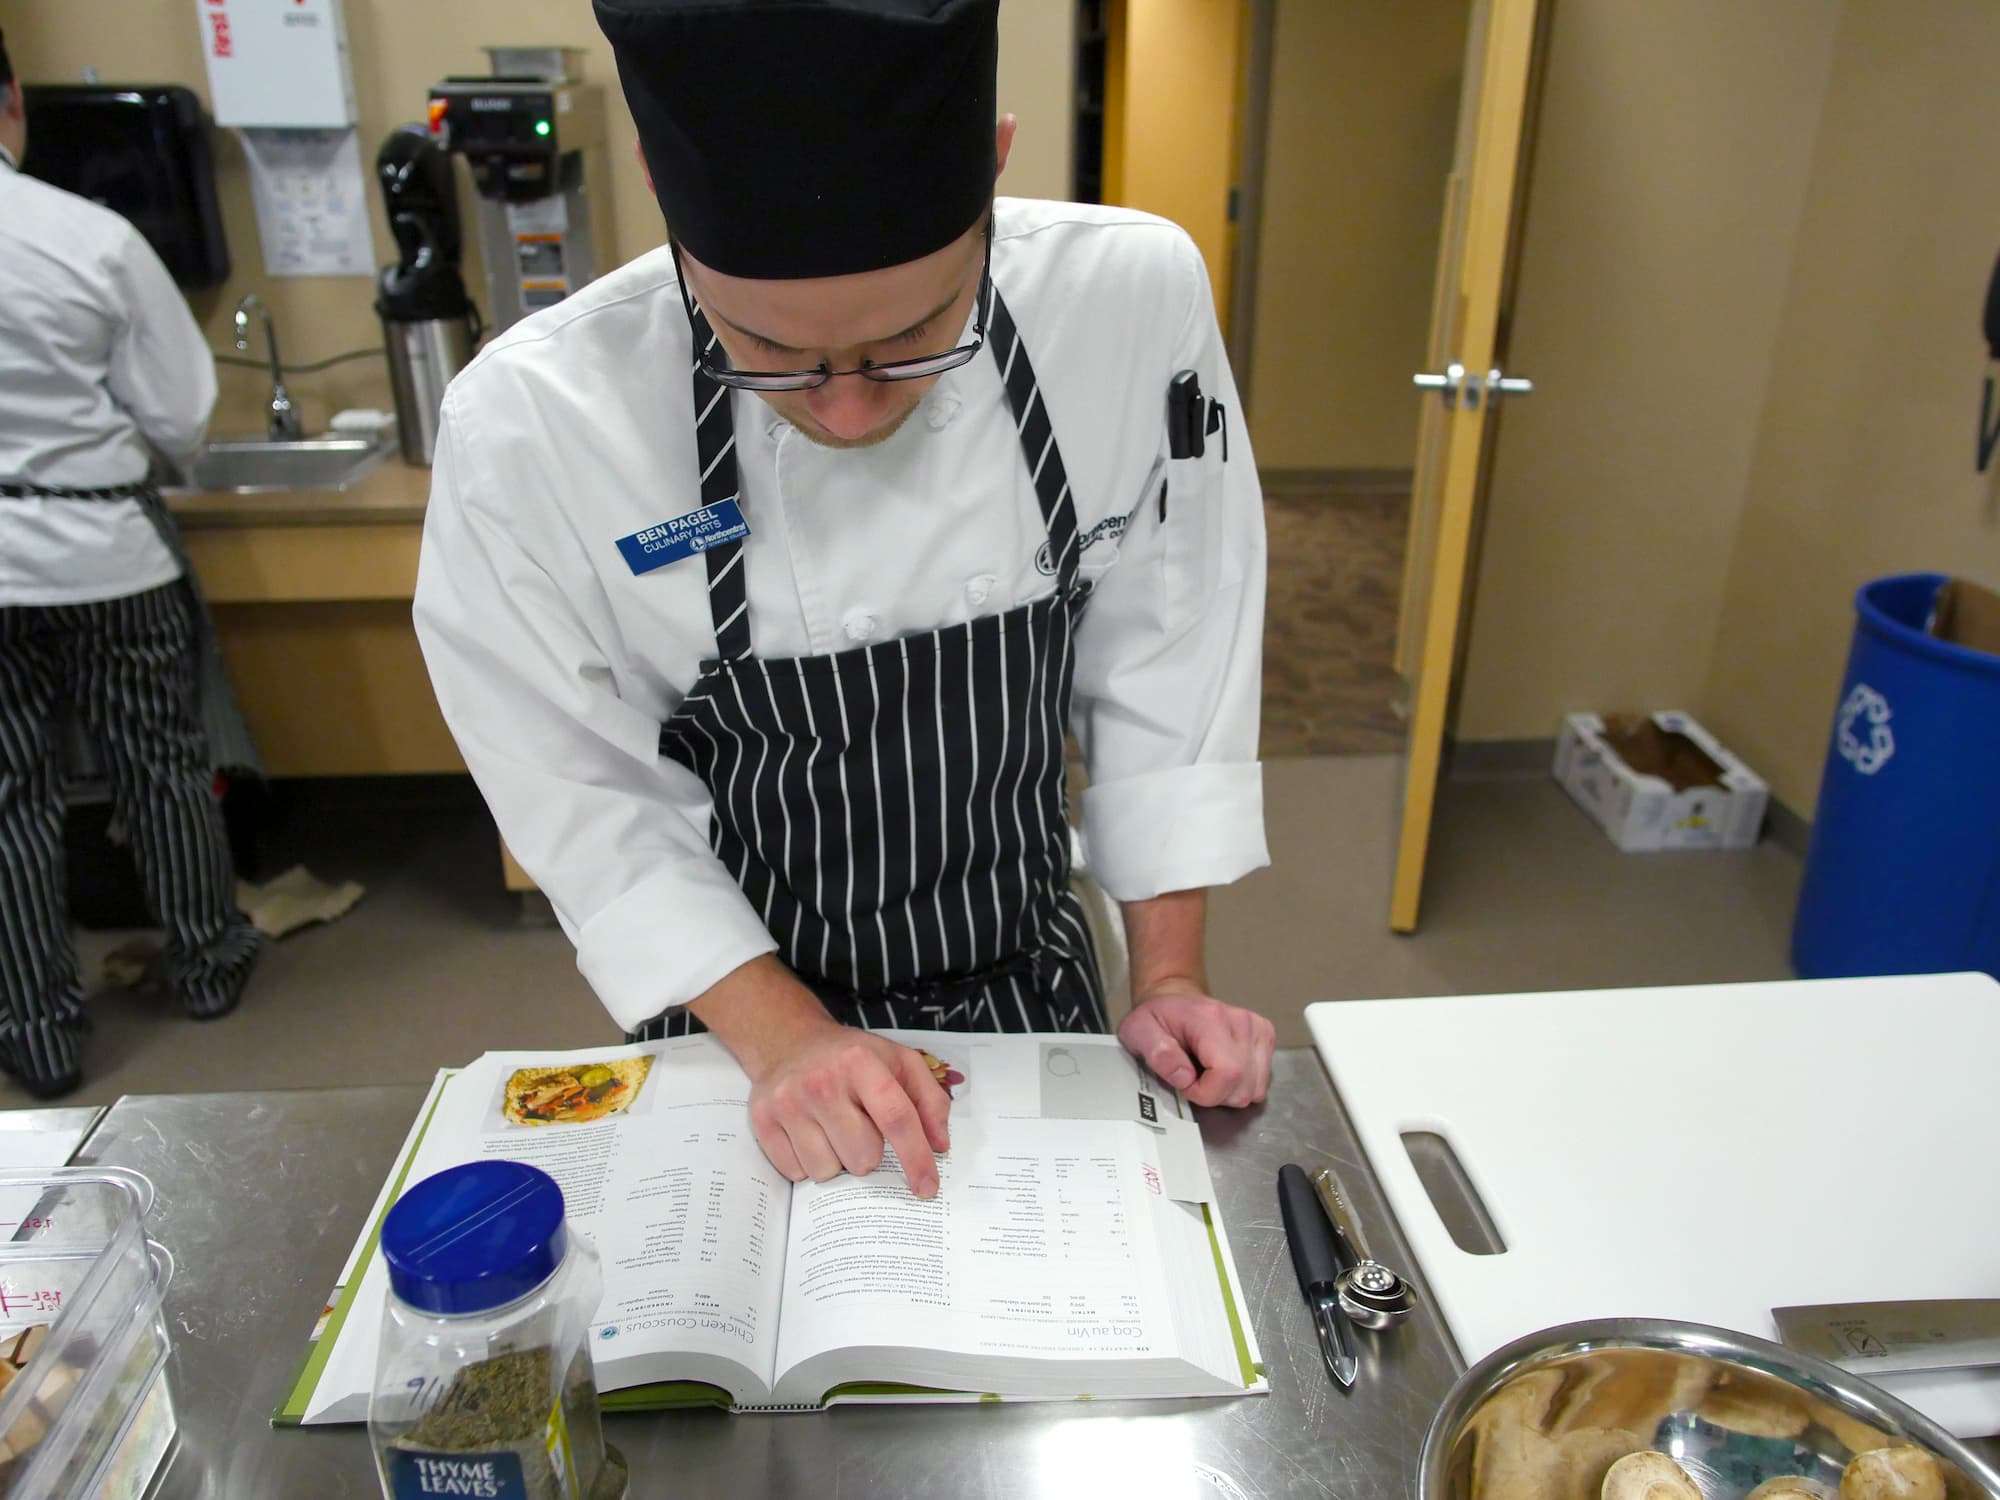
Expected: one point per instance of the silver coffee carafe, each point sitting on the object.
(430, 327)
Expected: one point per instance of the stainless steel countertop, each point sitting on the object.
(262, 1194)
(20, 1127)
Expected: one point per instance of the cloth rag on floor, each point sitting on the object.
(295, 899)
(298, 898)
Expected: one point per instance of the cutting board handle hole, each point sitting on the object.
(1459, 1207)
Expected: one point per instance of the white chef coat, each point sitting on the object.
(555, 665)
(99, 356)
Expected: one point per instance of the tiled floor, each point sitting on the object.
(434, 968)
(1524, 893)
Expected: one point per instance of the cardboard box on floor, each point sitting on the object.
(1687, 793)
(1967, 614)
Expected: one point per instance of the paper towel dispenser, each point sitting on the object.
(141, 150)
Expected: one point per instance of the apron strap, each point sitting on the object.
(715, 442)
(230, 747)
(1038, 439)
(139, 489)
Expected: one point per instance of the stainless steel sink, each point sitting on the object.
(246, 465)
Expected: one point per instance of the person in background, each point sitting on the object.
(762, 577)
(100, 364)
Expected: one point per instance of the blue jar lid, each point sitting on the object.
(475, 1237)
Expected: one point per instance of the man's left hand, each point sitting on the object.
(1212, 1052)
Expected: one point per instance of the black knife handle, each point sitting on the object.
(1307, 1231)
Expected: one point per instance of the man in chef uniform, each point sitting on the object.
(100, 365)
(762, 578)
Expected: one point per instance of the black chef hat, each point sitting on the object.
(793, 138)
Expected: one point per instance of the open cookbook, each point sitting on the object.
(1073, 1249)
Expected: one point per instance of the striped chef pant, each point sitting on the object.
(127, 666)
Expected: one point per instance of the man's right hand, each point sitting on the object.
(824, 1097)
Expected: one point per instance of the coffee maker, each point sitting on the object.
(533, 138)
(429, 323)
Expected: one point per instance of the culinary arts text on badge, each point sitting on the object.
(682, 536)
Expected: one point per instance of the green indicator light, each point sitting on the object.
(541, 127)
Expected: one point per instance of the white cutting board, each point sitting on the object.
(1705, 1153)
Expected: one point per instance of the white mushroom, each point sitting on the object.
(1756, 1408)
(1855, 1435)
(1649, 1476)
(1790, 1487)
(1893, 1474)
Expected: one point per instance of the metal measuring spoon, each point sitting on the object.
(1372, 1295)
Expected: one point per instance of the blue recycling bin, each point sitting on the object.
(1903, 874)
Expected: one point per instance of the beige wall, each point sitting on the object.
(398, 49)
(1672, 162)
(1038, 86)
(1863, 463)
(1180, 85)
(1757, 244)
(1364, 103)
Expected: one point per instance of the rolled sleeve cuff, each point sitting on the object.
(1176, 830)
(665, 942)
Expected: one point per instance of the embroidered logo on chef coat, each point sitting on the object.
(1110, 529)
(683, 536)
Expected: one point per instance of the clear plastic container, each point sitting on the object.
(483, 1382)
(89, 1412)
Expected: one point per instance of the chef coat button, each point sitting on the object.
(939, 410)
(860, 624)
(977, 588)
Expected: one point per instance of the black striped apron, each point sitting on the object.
(898, 813)
(230, 747)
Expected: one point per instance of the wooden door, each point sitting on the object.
(1463, 389)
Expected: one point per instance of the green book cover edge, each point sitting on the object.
(1251, 1371)
(679, 1395)
(664, 1395)
(321, 1350)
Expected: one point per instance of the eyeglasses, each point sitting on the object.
(715, 363)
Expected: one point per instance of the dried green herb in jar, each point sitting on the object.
(496, 1401)
(501, 1406)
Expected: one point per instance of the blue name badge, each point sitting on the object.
(683, 536)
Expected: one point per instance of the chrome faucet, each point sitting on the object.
(283, 424)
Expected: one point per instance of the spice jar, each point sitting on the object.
(483, 1382)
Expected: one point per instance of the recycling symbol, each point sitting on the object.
(1863, 735)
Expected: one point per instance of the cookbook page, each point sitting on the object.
(652, 1147)
(1067, 1076)
(1040, 1242)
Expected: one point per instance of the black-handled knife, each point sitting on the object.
(1318, 1264)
